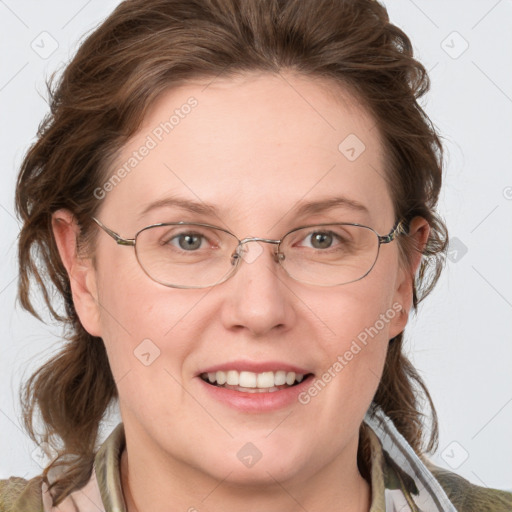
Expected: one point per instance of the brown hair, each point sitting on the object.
(142, 49)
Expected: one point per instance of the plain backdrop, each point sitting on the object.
(461, 339)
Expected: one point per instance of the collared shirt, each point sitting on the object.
(400, 481)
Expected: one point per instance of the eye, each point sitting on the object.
(189, 241)
(320, 240)
(324, 239)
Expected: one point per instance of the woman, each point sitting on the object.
(236, 202)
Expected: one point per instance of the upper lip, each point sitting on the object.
(255, 367)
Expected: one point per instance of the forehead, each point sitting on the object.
(253, 146)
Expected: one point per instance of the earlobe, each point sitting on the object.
(419, 231)
(81, 272)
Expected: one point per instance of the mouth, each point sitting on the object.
(251, 382)
(250, 386)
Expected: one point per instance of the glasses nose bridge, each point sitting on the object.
(242, 242)
(257, 239)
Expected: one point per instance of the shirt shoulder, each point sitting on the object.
(468, 497)
(21, 495)
(103, 490)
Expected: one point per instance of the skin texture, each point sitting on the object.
(254, 146)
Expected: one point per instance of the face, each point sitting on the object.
(256, 148)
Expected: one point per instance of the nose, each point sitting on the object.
(258, 298)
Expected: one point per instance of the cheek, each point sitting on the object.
(149, 339)
(359, 350)
(359, 319)
(142, 322)
(360, 314)
(338, 398)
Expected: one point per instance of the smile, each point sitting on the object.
(250, 382)
(251, 386)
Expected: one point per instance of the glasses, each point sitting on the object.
(197, 255)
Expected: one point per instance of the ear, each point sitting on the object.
(419, 231)
(81, 272)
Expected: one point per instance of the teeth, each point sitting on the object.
(280, 378)
(264, 380)
(250, 380)
(232, 378)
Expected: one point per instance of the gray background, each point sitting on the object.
(461, 339)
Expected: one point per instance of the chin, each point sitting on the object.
(262, 474)
(261, 462)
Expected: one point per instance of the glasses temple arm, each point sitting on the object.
(398, 229)
(119, 239)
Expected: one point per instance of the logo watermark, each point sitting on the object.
(151, 142)
(355, 348)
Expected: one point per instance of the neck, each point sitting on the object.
(329, 491)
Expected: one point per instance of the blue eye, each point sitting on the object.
(187, 241)
(321, 240)
(324, 239)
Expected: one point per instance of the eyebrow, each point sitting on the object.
(301, 209)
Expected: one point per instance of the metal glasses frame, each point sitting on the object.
(397, 229)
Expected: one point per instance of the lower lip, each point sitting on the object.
(257, 402)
